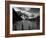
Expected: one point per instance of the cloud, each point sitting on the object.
(28, 11)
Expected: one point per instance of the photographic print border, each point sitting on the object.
(7, 18)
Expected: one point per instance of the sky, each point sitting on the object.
(28, 11)
(35, 10)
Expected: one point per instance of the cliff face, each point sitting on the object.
(16, 17)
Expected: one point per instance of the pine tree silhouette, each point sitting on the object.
(22, 26)
(29, 27)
